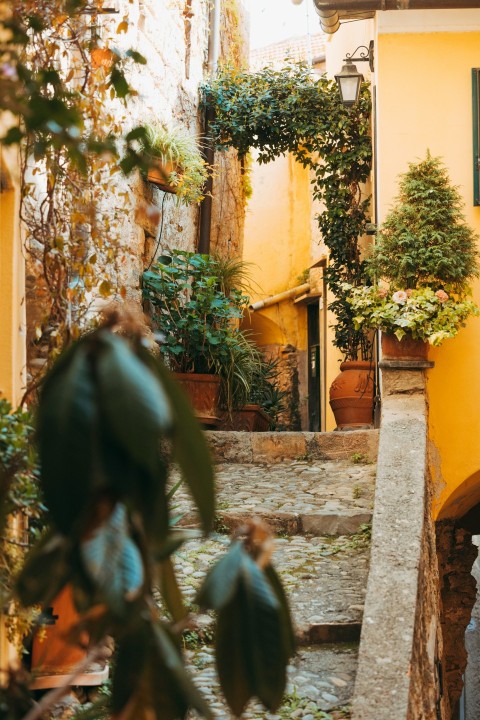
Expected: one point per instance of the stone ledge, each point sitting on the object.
(406, 364)
(317, 524)
(386, 662)
(267, 447)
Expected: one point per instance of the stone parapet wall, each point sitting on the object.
(401, 637)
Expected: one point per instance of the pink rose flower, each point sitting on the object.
(442, 296)
(382, 293)
(400, 297)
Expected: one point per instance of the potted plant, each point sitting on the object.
(176, 162)
(257, 399)
(426, 255)
(197, 317)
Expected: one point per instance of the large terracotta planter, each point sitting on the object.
(405, 349)
(53, 657)
(351, 395)
(250, 418)
(203, 391)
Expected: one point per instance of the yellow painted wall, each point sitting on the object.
(424, 101)
(277, 243)
(12, 324)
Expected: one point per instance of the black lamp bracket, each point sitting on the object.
(366, 55)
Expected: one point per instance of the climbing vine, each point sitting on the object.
(65, 83)
(291, 110)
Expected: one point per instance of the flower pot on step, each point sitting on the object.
(203, 391)
(351, 395)
(250, 418)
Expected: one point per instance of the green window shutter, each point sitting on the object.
(476, 134)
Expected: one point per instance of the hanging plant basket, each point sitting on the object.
(160, 175)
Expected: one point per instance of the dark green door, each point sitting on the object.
(314, 413)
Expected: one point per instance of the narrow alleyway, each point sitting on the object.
(316, 492)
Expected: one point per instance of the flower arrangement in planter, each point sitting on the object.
(424, 314)
(426, 254)
(196, 313)
(176, 162)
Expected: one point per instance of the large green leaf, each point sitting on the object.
(288, 635)
(45, 571)
(132, 401)
(190, 447)
(113, 561)
(67, 417)
(222, 579)
(251, 657)
(231, 656)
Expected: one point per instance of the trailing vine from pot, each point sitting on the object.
(290, 110)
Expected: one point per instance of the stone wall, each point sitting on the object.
(399, 671)
(420, 590)
(456, 555)
(173, 36)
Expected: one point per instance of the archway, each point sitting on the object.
(457, 530)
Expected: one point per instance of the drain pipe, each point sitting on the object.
(330, 21)
(279, 297)
(209, 151)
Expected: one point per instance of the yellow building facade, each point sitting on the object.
(424, 61)
(422, 87)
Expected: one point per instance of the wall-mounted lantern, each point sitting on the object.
(349, 79)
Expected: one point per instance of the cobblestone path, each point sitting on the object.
(316, 491)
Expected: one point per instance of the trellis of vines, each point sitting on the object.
(292, 110)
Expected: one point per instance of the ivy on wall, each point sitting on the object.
(292, 110)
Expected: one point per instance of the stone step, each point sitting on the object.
(271, 447)
(293, 496)
(320, 681)
(325, 581)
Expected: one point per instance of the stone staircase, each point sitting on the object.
(316, 491)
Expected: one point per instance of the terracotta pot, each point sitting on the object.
(405, 349)
(250, 418)
(53, 657)
(204, 393)
(351, 395)
(159, 175)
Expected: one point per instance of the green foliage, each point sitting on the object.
(424, 314)
(46, 100)
(114, 541)
(196, 307)
(250, 605)
(192, 312)
(18, 463)
(425, 240)
(289, 110)
(265, 389)
(20, 498)
(174, 147)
